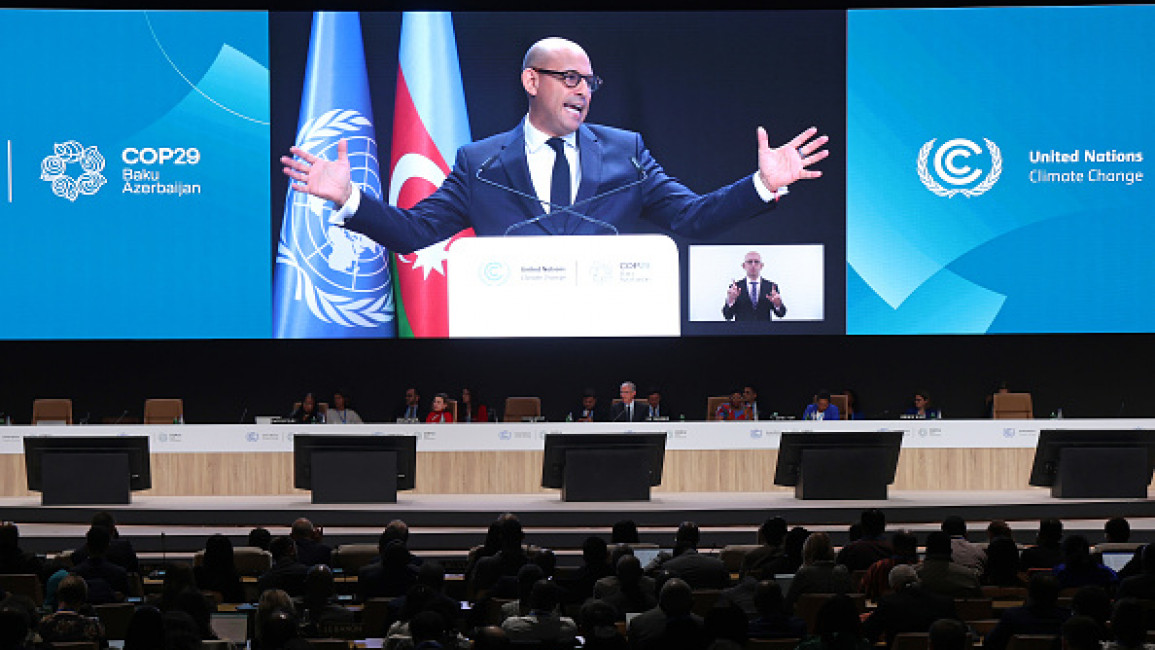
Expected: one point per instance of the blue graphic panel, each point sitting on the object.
(998, 170)
(138, 205)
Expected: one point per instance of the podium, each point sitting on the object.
(87, 470)
(838, 464)
(1094, 463)
(603, 467)
(342, 468)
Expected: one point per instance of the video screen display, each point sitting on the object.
(973, 185)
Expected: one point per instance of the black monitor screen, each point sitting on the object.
(1045, 469)
(136, 447)
(558, 445)
(305, 445)
(789, 467)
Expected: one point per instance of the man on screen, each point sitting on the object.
(753, 298)
(516, 183)
(628, 409)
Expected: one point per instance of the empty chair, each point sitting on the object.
(163, 411)
(733, 554)
(518, 409)
(52, 411)
(712, 404)
(843, 403)
(351, 557)
(1012, 406)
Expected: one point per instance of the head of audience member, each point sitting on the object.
(512, 534)
(272, 600)
(768, 599)
(837, 618)
(219, 557)
(901, 577)
(1128, 623)
(427, 627)
(687, 536)
(544, 597)
(177, 577)
(1082, 633)
(729, 623)
(938, 545)
(905, 546)
(1077, 551)
(654, 397)
(629, 572)
(955, 526)
(181, 632)
(795, 540)
(948, 634)
(625, 532)
(192, 602)
(145, 629)
(97, 540)
(599, 622)
(595, 551)
(319, 587)
(1117, 530)
(527, 576)
(105, 518)
(14, 628)
(303, 530)
(676, 598)
(618, 552)
(412, 397)
(1002, 565)
(854, 532)
(72, 594)
(822, 401)
(1043, 591)
(1094, 603)
(817, 549)
(396, 530)
(627, 391)
(432, 575)
(547, 560)
(260, 538)
(283, 548)
(277, 628)
(772, 531)
(873, 523)
(999, 528)
(1050, 533)
(556, 108)
(492, 637)
(9, 538)
(492, 542)
(440, 402)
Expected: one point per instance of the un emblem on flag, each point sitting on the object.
(341, 275)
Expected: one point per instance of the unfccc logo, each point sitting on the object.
(952, 171)
(54, 169)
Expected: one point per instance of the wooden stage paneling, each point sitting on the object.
(519, 472)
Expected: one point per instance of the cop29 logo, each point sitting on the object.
(950, 170)
(54, 169)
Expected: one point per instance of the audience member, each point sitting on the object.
(306, 412)
(876, 581)
(948, 634)
(310, 549)
(340, 413)
(287, 573)
(542, 623)
(319, 608)
(527, 576)
(180, 631)
(470, 407)
(821, 409)
(260, 538)
(440, 412)
(940, 575)
(279, 630)
(427, 629)
(908, 608)
(769, 559)
(726, 627)
(546, 559)
(218, 570)
(145, 629)
(1128, 626)
(628, 592)
(270, 602)
(1047, 552)
(410, 409)
(1002, 564)
(1040, 614)
(675, 603)
(178, 576)
(390, 574)
(595, 566)
(963, 551)
(192, 602)
(490, 547)
(13, 559)
(698, 570)
(1094, 603)
(431, 576)
(1080, 569)
(107, 582)
(772, 621)
(497, 574)
(67, 623)
(587, 409)
(1116, 531)
(599, 627)
(818, 574)
(1141, 585)
(1081, 633)
(836, 627)
(120, 551)
(735, 409)
(871, 546)
(15, 628)
(999, 528)
(625, 531)
(792, 547)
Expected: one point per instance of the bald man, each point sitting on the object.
(753, 298)
(553, 174)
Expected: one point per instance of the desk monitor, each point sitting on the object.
(603, 467)
(1094, 463)
(838, 464)
(111, 467)
(306, 445)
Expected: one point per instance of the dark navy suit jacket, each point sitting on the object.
(744, 308)
(608, 158)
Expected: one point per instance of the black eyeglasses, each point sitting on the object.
(571, 78)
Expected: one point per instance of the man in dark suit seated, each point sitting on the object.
(310, 550)
(871, 547)
(120, 551)
(588, 409)
(13, 559)
(697, 570)
(753, 298)
(107, 582)
(1040, 614)
(675, 604)
(768, 559)
(941, 575)
(497, 574)
(910, 608)
(395, 568)
(287, 573)
(628, 409)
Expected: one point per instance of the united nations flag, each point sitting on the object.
(329, 282)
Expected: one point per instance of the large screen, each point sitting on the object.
(987, 184)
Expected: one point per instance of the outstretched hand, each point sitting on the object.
(788, 163)
(325, 179)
